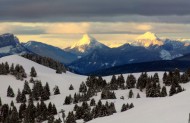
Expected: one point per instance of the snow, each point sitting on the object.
(5, 49)
(86, 42)
(148, 35)
(148, 39)
(173, 109)
(165, 55)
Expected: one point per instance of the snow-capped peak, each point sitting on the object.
(86, 43)
(148, 36)
(148, 39)
(86, 40)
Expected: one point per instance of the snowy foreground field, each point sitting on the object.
(173, 109)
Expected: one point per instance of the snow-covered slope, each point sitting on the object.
(44, 74)
(147, 110)
(173, 109)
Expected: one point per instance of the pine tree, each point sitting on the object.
(54, 110)
(142, 81)
(50, 107)
(184, 78)
(12, 69)
(130, 94)
(46, 87)
(87, 116)
(138, 95)
(58, 70)
(172, 90)
(123, 108)
(163, 92)
(179, 89)
(14, 117)
(121, 81)
(44, 95)
(31, 80)
(112, 107)
(56, 90)
(4, 113)
(70, 118)
(82, 88)
(26, 89)
(33, 72)
(113, 83)
(30, 112)
(22, 109)
(10, 92)
(7, 68)
(51, 119)
(92, 102)
(68, 100)
(131, 106)
(131, 81)
(71, 87)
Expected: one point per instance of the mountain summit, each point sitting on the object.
(86, 45)
(148, 36)
(148, 39)
(9, 44)
(86, 40)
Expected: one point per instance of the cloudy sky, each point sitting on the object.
(63, 22)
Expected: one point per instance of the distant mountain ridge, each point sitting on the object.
(88, 55)
(147, 48)
(50, 51)
(9, 44)
(182, 63)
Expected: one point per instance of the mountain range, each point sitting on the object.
(88, 55)
(9, 44)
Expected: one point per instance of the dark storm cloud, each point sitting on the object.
(91, 10)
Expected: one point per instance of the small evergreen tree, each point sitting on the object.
(131, 81)
(10, 92)
(26, 89)
(47, 89)
(14, 117)
(56, 90)
(172, 90)
(138, 95)
(123, 108)
(92, 102)
(71, 87)
(82, 88)
(70, 118)
(130, 94)
(131, 106)
(121, 81)
(33, 72)
(163, 92)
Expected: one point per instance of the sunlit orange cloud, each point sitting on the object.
(144, 27)
(58, 42)
(68, 28)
